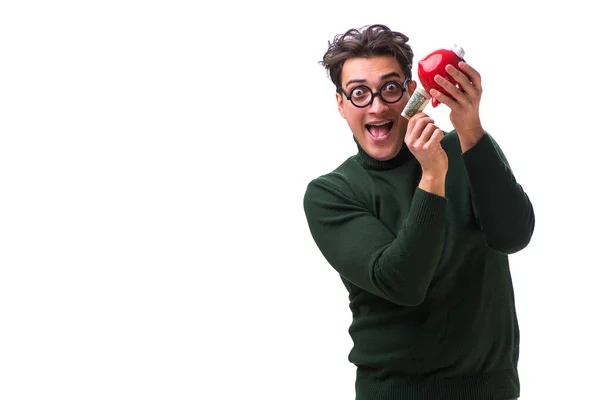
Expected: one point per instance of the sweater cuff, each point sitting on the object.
(484, 163)
(482, 152)
(427, 209)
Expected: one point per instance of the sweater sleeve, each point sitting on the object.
(502, 207)
(397, 266)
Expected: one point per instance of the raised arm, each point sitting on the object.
(502, 207)
(397, 266)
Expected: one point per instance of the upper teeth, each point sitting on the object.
(380, 123)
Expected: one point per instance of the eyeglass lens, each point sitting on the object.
(390, 92)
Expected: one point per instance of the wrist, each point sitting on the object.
(434, 183)
(469, 138)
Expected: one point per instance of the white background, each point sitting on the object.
(153, 160)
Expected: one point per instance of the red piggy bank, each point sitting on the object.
(435, 64)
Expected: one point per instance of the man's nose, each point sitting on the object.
(378, 105)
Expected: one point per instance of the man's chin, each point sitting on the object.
(383, 153)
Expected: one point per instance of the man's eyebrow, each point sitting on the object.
(382, 77)
(391, 74)
(355, 81)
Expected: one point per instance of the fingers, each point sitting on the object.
(442, 98)
(469, 79)
(422, 131)
(415, 126)
(436, 138)
(468, 91)
(426, 136)
(457, 94)
(473, 76)
(423, 139)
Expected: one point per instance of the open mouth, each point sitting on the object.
(379, 131)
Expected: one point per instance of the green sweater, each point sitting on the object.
(428, 277)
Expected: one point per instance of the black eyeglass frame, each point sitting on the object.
(403, 87)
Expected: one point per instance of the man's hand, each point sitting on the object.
(464, 105)
(423, 139)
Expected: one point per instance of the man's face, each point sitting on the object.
(379, 128)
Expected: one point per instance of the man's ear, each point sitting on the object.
(412, 85)
(340, 104)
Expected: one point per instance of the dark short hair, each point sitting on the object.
(368, 41)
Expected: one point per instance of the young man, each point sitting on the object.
(419, 224)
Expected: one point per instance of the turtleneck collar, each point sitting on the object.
(369, 162)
